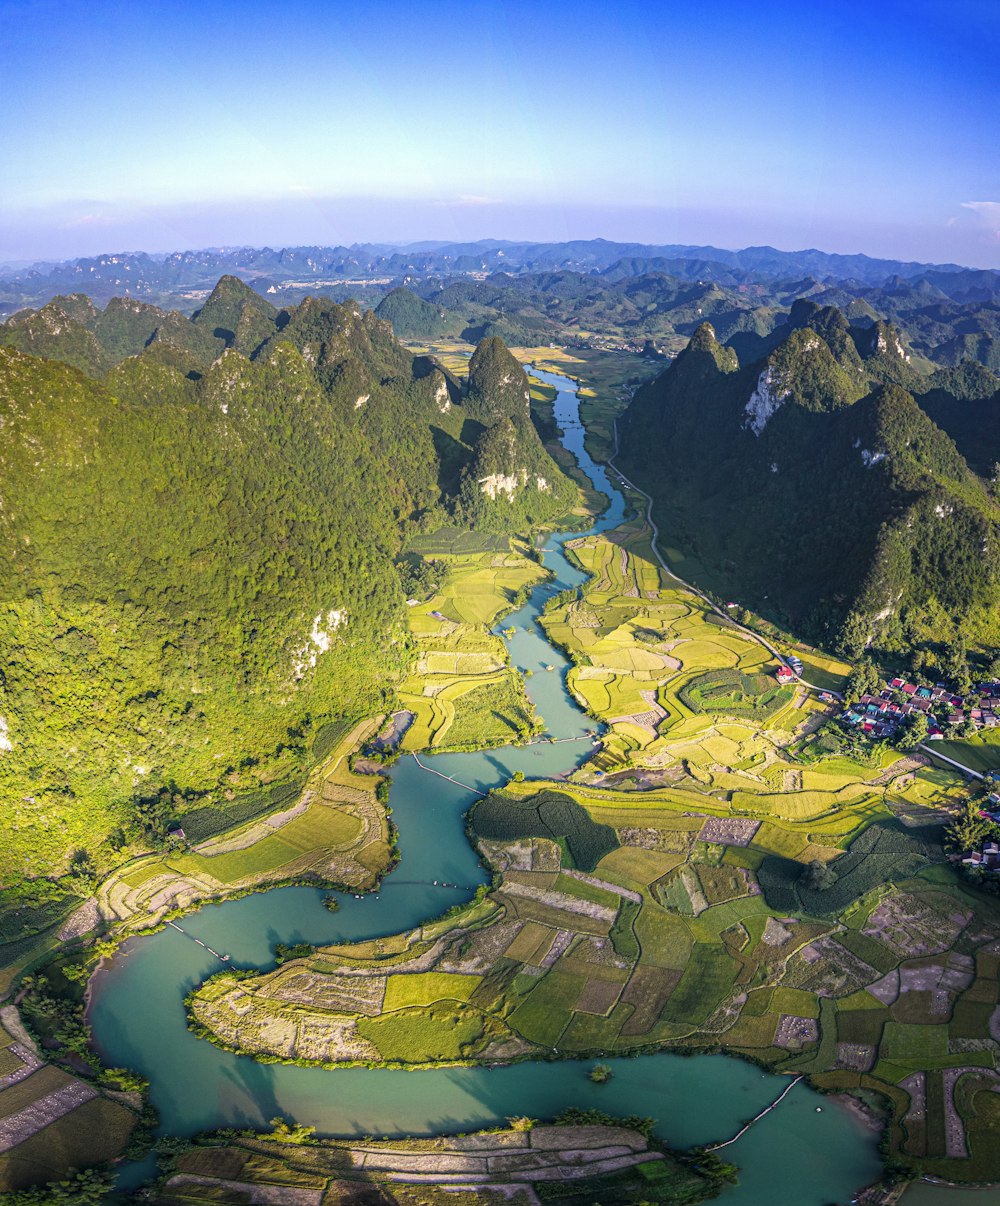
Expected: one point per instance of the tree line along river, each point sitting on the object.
(806, 1152)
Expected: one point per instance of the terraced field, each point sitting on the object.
(335, 832)
(570, 1163)
(669, 938)
(462, 691)
(667, 894)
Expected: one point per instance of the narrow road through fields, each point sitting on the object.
(966, 770)
(654, 543)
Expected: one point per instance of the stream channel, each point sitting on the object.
(807, 1152)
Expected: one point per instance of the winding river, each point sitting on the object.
(807, 1152)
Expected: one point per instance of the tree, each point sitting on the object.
(855, 635)
(87, 1188)
(957, 667)
(913, 732)
(818, 876)
(864, 680)
(600, 1074)
(969, 829)
(290, 1132)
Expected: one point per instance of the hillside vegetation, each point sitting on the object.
(198, 539)
(810, 481)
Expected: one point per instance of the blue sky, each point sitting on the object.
(164, 124)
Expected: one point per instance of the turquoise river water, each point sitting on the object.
(807, 1152)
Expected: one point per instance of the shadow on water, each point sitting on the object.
(138, 1018)
(255, 1083)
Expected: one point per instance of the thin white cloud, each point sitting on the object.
(988, 215)
(989, 211)
(470, 199)
(88, 220)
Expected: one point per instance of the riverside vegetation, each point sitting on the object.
(716, 875)
(200, 558)
(203, 618)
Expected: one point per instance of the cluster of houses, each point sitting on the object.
(881, 715)
(987, 859)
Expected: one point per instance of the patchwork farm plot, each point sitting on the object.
(629, 921)
(334, 830)
(462, 691)
(657, 666)
(714, 877)
(571, 1163)
(50, 1120)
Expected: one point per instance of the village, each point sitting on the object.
(881, 715)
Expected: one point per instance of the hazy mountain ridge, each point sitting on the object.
(616, 294)
(141, 273)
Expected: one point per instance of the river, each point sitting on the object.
(807, 1152)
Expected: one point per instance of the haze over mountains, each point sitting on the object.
(141, 273)
(895, 359)
(595, 291)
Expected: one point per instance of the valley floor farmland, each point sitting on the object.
(660, 898)
(650, 897)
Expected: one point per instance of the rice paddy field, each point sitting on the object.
(676, 685)
(666, 894)
(462, 691)
(49, 1119)
(623, 922)
(333, 830)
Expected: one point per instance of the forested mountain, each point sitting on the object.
(619, 307)
(143, 275)
(198, 525)
(510, 467)
(413, 318)
(595, 293)
(808, 479)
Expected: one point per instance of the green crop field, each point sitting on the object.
(425, 988)
(710, 796)
(552, 814)
(457, 541)
(446, 1031)
(543, 1016)
(89, 1135)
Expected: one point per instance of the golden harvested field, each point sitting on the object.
(461, 688)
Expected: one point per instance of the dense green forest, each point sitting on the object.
(810, 482)
(198, 537)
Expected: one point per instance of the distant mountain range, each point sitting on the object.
(159, 277)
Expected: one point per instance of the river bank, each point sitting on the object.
(137, 1015)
